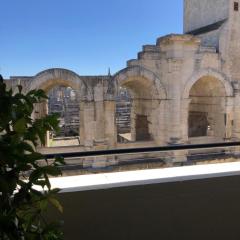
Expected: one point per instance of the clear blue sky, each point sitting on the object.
(86, 36)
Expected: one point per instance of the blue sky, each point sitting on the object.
(86, 36)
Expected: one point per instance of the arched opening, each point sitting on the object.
(123, 115)
(61, 86)
(145, 104)
(134, 111)
(207, 118)
(64, 101)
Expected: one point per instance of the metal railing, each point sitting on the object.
(114, 152)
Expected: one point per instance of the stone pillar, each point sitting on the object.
(185, 114)
(81, 123)
(236, 113)
(175, 75)
(161, 124)
(89, 124)
(40, 110)
(236, 118)
(99, 110)
(174, 121)
(133, 120)
(110, 123)
(229, 117)
(177, 129)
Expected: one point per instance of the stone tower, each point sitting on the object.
(217, 23)
(199, 16)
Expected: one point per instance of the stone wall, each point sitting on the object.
(164, 81)
(201, 13)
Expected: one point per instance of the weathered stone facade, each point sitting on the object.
(185, 88)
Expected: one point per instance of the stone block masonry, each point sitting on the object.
(185, 87)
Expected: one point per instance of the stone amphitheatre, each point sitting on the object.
(184, 89)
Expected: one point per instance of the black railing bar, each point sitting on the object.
(162, 157)
(112, 152)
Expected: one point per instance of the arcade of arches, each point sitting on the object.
(163, 97)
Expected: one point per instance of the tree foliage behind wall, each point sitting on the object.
(25, 189)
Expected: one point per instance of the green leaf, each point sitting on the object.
(52, 170)
(26, 147)
(41, 183)
(20, 126)
(34, 156)
(36, 192)
(24, 167)
(36, 175)
(43, 204)
(21, 211)
(56, 204)
(54, 191)
(48, 184)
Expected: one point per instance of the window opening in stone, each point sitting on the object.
(123, 115)
(131, 118)
(63, 101)
(207, 113)
(142, 130)
(236, 6)
(198, 124)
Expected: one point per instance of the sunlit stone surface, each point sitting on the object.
(183, 89)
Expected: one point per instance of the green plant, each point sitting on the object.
(22, 168)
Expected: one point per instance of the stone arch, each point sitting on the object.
(56, 76)
(147, 91)
(208, 73)
(140, 77)
(47, 80)
(207, 92)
